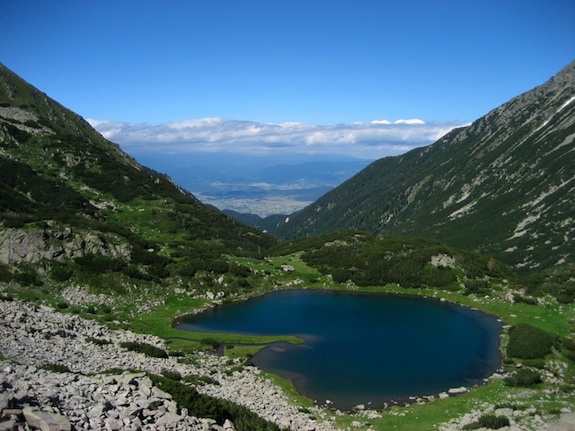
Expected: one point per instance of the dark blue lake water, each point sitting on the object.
(364, 348)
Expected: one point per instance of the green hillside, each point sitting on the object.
(503, 185)
(76, 206)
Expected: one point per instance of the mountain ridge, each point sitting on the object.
(496, 186)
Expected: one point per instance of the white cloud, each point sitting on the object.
(371, 140)
(410, 121)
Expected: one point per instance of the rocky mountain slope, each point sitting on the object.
(503, 185)
(67, 192)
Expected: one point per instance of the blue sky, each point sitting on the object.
(151, 66)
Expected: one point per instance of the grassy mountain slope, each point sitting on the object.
(502, 185)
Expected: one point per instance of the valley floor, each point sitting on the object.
(95, 391)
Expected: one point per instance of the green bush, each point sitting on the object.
(172, 375)
(61, 273)
(200, 380)
(240, 270)
(144, 348)
(204, 406)
(212, 342)
(28, 277)
(56, 368)
(98, 341)
(523, 377)
(528, 342)
(475, 286)
(488, 421)
(105, 309)
(5, 274)
(524, 299)
(96, 263)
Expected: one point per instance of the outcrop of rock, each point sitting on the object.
(19, 245)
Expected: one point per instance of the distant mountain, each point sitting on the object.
(268, 223)
(504, 185)
(263, 184)
(65, 192)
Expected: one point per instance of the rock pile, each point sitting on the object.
(35, 336)
(62, 401)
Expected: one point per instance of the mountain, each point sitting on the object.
(66, 192)
(503, 185)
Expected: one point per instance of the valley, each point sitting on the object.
(100, 255)
(258, 185)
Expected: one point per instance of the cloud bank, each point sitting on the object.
(378, 138)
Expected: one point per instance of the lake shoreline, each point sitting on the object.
(494, 362)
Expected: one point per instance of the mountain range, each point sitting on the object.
(503, 185)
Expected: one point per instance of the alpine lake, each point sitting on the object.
(363, 348)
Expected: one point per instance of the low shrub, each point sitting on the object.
(528, 342)
(569, 349)
(524, 299)
(200, 380)
(5, 274)
(56, 368)
(61, 273)
(172, 375)
(205, 406)
(534, 363)
(523, 377)
(144, 348)
(212, 342)
(98, 341)
(105, 309)
(488, 421)
(475, 286)
(28, 277)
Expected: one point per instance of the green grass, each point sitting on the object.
(159, 323)
(234, 351)
(423, 417)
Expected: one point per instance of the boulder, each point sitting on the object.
(455, 391)
(45, 421)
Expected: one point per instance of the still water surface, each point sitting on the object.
(363, 348)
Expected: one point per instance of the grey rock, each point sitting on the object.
(46, 421)
(3, 401)
(9, 425)
(566, 422)
(112, 424)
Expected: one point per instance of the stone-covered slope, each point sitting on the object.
(503, 185)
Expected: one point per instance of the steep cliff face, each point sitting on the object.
(502, 185)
